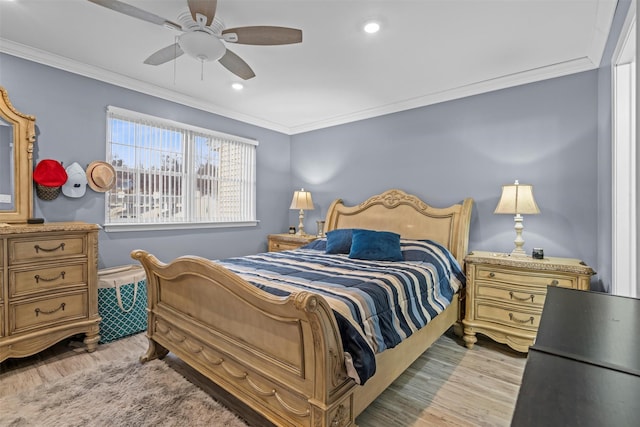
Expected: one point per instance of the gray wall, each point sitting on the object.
(70, 115)
(544, 134)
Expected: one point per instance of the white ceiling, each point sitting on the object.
(426, 52)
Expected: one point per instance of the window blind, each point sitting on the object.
(172, 173)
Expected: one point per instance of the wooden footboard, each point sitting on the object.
(281, 356)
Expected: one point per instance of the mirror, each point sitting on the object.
(17, 135)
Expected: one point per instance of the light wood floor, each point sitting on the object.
(447, 386)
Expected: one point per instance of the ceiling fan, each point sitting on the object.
(203, 35)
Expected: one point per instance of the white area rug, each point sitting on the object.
(124, 394)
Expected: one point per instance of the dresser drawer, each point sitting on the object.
(48, 311)
(47, 278)
(23, 250)
(524, 278)
(514, 294)
(508, 316)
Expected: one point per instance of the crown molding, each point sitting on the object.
(516, 79)
(589, 62)
(75, 67)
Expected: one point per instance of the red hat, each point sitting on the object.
(49, 173)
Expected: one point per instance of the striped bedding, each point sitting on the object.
(377, 303)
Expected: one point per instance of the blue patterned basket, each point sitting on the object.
(122, 302)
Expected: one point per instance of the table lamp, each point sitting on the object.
(301, 200)
(517, 199)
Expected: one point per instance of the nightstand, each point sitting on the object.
(286, 242)
(505, 295)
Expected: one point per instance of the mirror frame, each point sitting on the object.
(24, 135)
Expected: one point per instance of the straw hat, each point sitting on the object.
(101, 176)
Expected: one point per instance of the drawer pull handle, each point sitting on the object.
(515, 319)
(40, 248)
(554, 282)
(38, 311)
(517, 298)
(46, 279)
(492, 274)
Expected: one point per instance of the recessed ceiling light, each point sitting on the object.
(237, 86)
(371, 27)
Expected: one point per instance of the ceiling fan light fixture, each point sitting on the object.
(202, 45)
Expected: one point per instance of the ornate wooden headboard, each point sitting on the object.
(407, 215)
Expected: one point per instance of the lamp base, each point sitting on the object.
(300, 231)
(518, 253)
(519, 242)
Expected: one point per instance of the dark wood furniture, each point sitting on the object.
(584, 369)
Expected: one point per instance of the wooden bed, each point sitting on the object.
(283, 356)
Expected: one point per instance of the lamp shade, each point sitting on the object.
(517, 199)
(302, 200)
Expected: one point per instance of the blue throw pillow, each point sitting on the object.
(375, 245)
(339, 241)
(318, 245)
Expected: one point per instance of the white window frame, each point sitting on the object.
(176, 201)
(624, 280)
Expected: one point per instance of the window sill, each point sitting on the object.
(115, 228)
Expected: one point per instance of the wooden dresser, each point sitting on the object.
(505, 295)
(286, 242)
(48, 286)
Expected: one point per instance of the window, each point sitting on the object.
(173, 175)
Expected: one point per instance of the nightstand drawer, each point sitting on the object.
(48, 311)
(282, 246)
(513, 294)
(288, 242)
(22, 283)
(524, 278)
(519, 319)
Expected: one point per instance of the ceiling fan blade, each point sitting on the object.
(204, 7)
(165, 54)
(236, 65)
(263, 35)
(135, 12)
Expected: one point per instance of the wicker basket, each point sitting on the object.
(47, 193)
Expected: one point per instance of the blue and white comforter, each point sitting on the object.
(377, 303)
